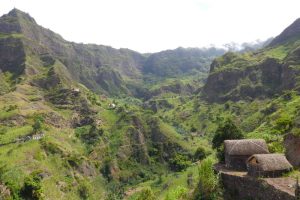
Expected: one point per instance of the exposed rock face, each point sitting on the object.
(292, 146)
(20, 35)
(251, 188)
(263, 73)
(262, 80)
(89, 63)
(12, 56)
(9, 23)
(238, 185)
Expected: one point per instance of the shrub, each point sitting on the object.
(84, 190)
(32, 188)
(179, 162)
(208, 186)
(116, 191)
(284, 123)
(89, 134)
(38, 124)
(193, 129)
(50, 147)
(200, 154)
(177, 193)
(146, 194)
(226, 131)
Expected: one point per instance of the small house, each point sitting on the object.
(237, 152)
(112, 106)
(268, 165)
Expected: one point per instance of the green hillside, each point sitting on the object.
(83, 121)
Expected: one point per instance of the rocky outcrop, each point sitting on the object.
(9, 23)
(292, 144)
(261, 80)
(252, 189)
(12, 55)
(238, 185)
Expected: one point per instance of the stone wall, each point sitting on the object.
(249, 188)
(292, 144)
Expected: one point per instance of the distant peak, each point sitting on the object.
(291, 32)
(20, 14)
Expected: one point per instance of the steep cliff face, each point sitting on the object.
(245, 187)
(250, 81)
(262, 73)
(85, 63)
(256, 75)
(12, 55)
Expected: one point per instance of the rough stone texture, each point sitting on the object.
(12, 56)
(292, 146)
(238, 185)
(9, 23)
(263, 80)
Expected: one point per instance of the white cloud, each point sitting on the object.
(153, 25)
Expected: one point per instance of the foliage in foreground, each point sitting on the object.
(208, 186)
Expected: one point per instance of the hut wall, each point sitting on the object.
(236, 162)
(255, 171)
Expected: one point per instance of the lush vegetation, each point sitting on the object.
(92, 122)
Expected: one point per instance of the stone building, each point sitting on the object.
(237, 152)
(268, 165)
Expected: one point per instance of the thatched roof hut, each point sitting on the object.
(268, 165)
(238, 151)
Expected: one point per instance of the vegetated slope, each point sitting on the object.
(259, 90)
(102, 68)
(263, 73)
(98, 67)
(60, 140)
(63, 141)
(172, 63)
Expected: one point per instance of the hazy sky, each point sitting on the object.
(154, 25)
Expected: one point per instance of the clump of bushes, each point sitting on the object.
(225, 131)
(89, 134)
(177, 193)
(37, 127)
(32, 188)
(208, 186)
(146, 194)
(200, 154)
(283, 124)
(50, 147)
(179, 162)
(84, 190)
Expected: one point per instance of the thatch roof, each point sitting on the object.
(270, 162)
(246, 147)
